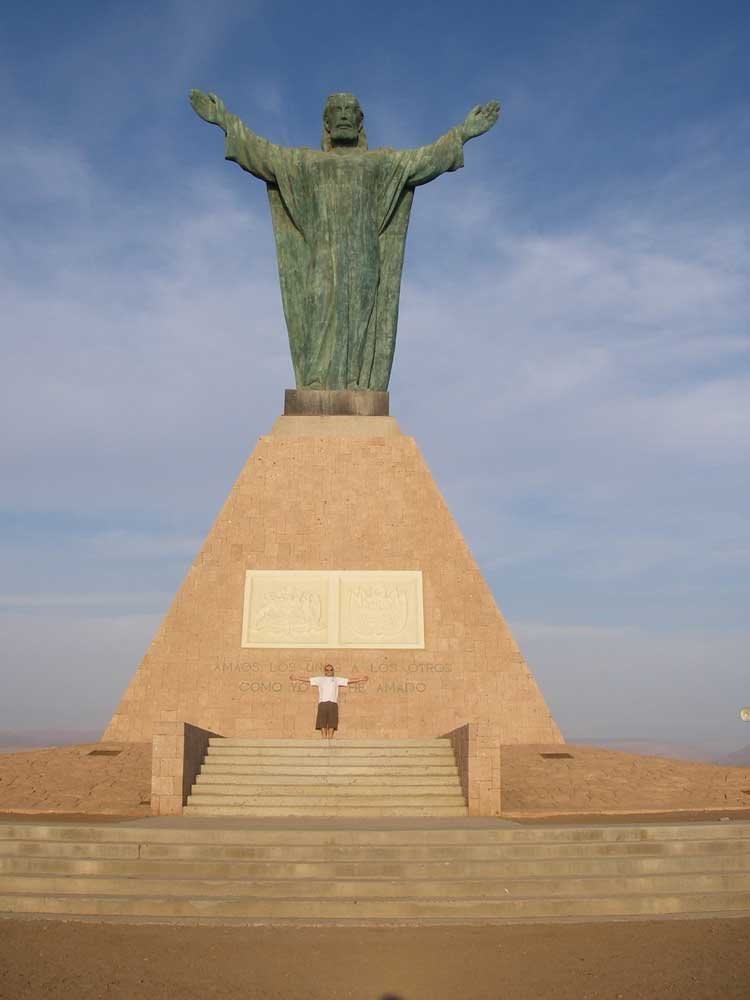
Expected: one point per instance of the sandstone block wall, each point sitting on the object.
(178, 750)
(477, 748)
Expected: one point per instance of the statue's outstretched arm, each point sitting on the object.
(446, 153)
(480, 120)
(242, 146)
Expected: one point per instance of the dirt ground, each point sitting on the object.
(86, 778)
(684, 959)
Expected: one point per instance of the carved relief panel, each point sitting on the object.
(333, 609)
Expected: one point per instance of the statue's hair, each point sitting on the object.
(325, 141)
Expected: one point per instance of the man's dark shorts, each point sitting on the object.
(328, 715)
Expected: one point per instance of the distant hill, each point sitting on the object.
(30, 738)
(649, 748)
(740, 758)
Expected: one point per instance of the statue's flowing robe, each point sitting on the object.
(340, 221)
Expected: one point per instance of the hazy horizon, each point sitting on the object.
(18, 740)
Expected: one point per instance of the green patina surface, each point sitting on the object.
(340, 217)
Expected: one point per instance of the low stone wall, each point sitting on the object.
(460, 742)
(477, 750)
(178, 751)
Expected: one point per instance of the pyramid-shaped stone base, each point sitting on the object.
(350, 501)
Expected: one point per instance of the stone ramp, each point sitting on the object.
(250, 777)
(431, 871)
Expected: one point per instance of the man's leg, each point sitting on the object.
(334, 720)
(324, 721)
(321, 721)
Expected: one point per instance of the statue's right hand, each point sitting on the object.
(209, 107)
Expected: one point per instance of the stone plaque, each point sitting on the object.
(286, 609)
(333, 609)
(381, 610)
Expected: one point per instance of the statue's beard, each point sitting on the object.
(345, 135)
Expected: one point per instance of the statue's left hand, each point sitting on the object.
(480, 119)
(209, 107)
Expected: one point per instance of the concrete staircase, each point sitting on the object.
(372, 871)
(244, 777)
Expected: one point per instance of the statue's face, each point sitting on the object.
(343, 118)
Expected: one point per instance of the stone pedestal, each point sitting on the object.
(335, 403)
(331, 541)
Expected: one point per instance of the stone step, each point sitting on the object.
(410, 852)
(328, 750)
(63, 849)
(371, 870)
(321, 796)
(237, 741)
(286, 766)
(325, 868)
(224, 777)
(368, 792)
(467, 834)
(381, 888)
(733, 853)
(320, 760)
(332, 811)
(327, 789)
(443, 909)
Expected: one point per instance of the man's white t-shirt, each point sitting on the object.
(328, 687)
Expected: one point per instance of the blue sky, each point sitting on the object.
(573, 352)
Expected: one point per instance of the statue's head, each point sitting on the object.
(342, 123)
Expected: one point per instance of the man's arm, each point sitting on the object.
(359, 680)
(242, 145)
(302, 680)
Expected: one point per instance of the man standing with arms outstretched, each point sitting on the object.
(327, 720)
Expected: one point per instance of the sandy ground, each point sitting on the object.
(592, 780)
(78, 779)
(684, 959)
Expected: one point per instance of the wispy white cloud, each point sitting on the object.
(25, 169)
(155, 352)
